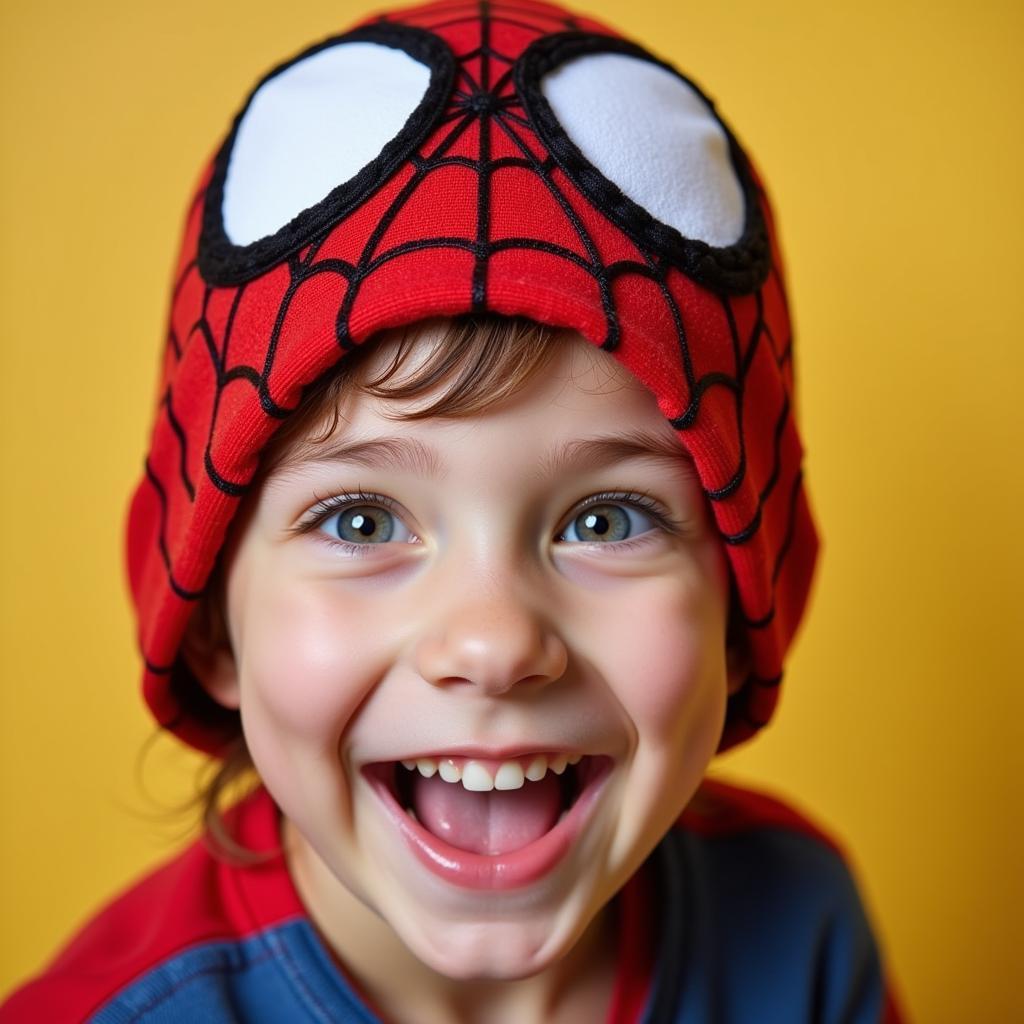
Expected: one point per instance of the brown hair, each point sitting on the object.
(475, 362)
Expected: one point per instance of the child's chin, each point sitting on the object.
(488, 951)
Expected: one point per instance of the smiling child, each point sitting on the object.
(473, 524)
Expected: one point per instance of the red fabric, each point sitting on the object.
(235, 352)
(636, 954)
(189, 900)
(194, 898)
(721, 809)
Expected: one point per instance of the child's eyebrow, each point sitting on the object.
(413, 456)
(595, 452)
(403, 453)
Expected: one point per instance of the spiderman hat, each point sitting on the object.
(469, 157)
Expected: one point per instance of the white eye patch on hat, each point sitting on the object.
(320, 134)
(313, 127)
(651, 134)
(648, 149)
(317, 136)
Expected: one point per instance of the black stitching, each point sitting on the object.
(172, 340)
(732, 484)
(223, 263)
(490, 51)
(766, 620)
(361, 271)
(727, 273)
(183, 444)
(183, 592)
(533, 12)
(780, 425)
(229, 327)
(474, 85)
(748, 531)
(514, 22)
(236, 490)
(543, 170)
(739, 268)
(787, 541)
(485, 107)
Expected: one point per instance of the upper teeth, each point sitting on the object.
(476, 776)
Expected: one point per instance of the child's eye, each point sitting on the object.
(365, 524)
(607, 522)
(356, 520)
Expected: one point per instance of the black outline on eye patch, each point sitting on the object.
(221, 262)
(739, 268)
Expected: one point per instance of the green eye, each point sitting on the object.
(606, 523)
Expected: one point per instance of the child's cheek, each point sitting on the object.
(667, 668)
(307, 661)
(670, 656)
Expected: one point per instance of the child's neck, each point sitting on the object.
(576, 988)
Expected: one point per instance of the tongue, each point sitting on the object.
(491, 823)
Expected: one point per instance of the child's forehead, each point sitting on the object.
(582, 407)
(573, 365)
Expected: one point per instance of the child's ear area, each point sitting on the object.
(206, 648)
(738, 661)
(737, 666)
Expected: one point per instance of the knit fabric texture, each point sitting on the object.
(483, 202)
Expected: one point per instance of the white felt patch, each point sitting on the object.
(651, 134)
(313, 127)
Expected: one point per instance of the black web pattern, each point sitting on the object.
(487, 102)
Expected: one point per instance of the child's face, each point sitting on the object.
(481, 609)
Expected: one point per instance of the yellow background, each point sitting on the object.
(891, 136)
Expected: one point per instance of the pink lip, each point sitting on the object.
(503, 871)
(497, 754)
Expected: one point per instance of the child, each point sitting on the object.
(473, 520)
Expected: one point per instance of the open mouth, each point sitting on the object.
(486, 823)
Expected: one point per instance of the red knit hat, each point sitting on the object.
(457, 158)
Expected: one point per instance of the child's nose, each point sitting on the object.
(495, 643)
